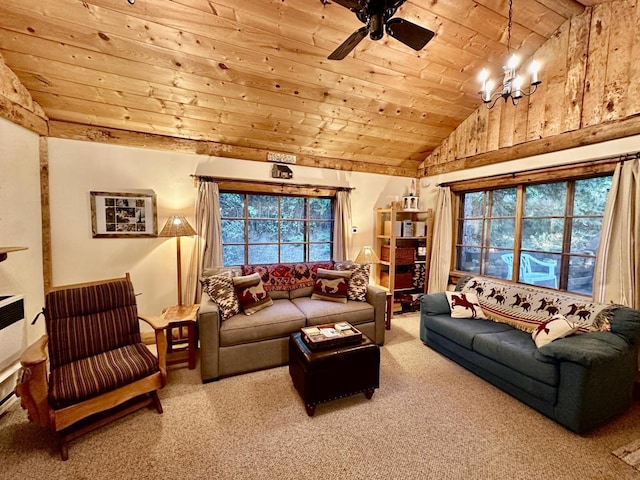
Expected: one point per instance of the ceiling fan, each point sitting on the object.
(376, 16)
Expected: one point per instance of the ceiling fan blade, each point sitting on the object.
(349, 44)
(350, 4)
(409, 33)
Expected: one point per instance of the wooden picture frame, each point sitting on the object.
(123, 215)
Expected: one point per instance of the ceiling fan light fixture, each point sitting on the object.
(376, 15)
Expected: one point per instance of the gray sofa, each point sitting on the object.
(244, 343)
(580, 381)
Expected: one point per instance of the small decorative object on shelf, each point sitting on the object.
(410, 203)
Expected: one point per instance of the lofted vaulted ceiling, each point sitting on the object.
(253, 74)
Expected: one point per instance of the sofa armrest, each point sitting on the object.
(626, 321)
(209, 321)
(434, 304)
(586, 349)
(377, 297)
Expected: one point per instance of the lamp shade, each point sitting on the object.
(177, 226)
(367, 256)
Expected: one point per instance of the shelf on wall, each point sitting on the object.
(4, 251)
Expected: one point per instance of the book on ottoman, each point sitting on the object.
(331, 335)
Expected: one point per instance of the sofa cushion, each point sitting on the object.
(221, 290)
(515, 349)
(251, 293)
(92, 376)
(319, 313)
(331, 285)
(463, 330)
(279, 320)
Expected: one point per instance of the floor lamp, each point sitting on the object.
(177, 226)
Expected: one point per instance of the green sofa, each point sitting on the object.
(580, 381)
(244, 343)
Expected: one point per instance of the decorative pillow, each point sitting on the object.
(275, 276)
(556, 327)
(358, 281)
(331, 285)
(251, 293)
(464, 305)
(220, 289)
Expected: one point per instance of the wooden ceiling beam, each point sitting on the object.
(591, 135)
(90, 133)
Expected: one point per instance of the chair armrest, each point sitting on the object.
(35, 353)
(159, 325)
(154, 321)
(32, 386)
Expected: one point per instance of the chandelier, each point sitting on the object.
(512, 82)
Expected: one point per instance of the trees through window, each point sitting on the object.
(552, 230)
(266, 228)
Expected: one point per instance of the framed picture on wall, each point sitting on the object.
(123, 215)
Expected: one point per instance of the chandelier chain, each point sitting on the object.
(509, 27)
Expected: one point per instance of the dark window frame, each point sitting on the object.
(568, 174)
(307, 242)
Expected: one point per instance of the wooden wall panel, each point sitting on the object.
(576, 71)
(590, 92)
(619, 60)
(596, 65)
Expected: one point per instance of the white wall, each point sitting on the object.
(76, 168)
(20, 220)
(428, 185)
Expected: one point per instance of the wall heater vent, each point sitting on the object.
(12, 343)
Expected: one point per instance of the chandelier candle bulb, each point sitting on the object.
(483, 77)
(487, 92)
(517, 86)
(533, 69)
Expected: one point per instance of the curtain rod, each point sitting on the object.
(206, 178)
(618, 158)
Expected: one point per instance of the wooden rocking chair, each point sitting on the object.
(99, 370)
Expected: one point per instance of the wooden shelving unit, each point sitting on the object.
(404, 259)
(4, 251)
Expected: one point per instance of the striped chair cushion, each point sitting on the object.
(92, 376)
(85, 321)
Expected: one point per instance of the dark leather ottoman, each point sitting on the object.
(324, 375)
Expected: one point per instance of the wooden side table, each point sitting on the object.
(180, 316)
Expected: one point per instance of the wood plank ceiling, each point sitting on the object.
(253, 74)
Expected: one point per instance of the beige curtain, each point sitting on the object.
(617, 272)
(442, 241)
(207, 252)
(342, 237)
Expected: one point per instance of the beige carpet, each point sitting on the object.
(430, 419)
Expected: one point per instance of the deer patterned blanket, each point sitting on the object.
(525, 307)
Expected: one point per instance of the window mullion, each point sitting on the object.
(486, 229)
(517, 234)
(566, 237)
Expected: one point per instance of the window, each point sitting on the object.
(551, 229)
(266, 228)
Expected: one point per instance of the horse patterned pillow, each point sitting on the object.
(251, 293)
(556, 327)
(464, 305)
(332, 285)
